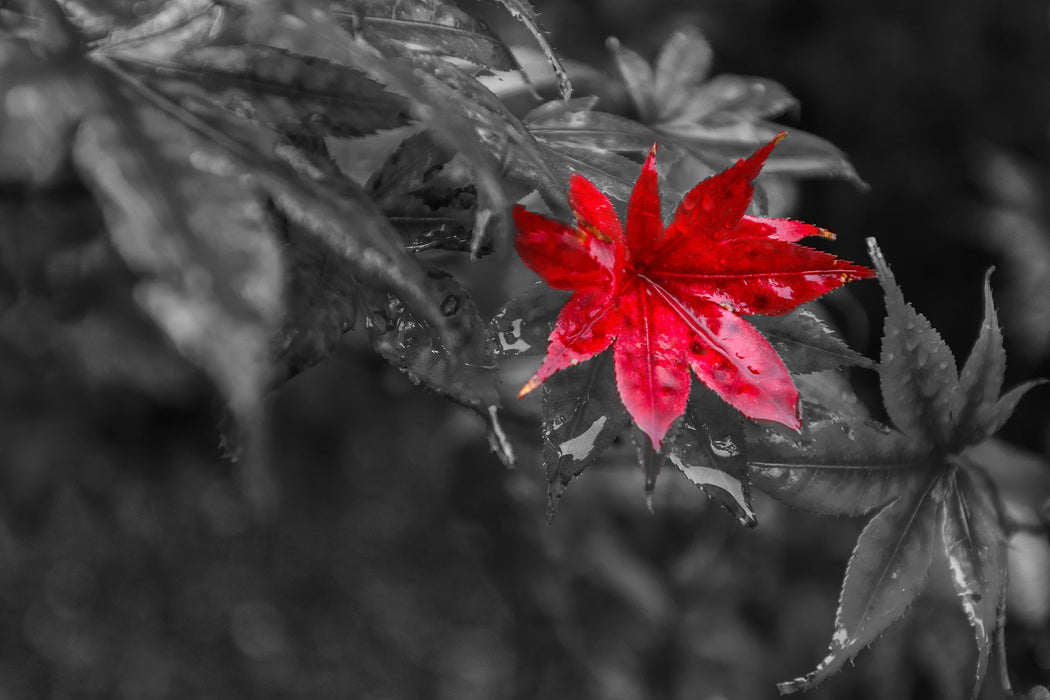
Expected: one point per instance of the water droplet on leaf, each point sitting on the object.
(450, 305)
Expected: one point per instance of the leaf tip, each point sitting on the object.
(529, 386)
(793, 686)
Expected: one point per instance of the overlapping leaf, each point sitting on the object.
(708, 446)
(668, 299)
(925, 493)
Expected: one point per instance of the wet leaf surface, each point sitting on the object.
(927, 492)
(582, 415)
(668, 299)
(709, 447)
(430, 26)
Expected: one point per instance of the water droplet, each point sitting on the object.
(450, 305)
(752, 370)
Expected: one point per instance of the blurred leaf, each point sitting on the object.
(295, 94)
(175, 26)
(637, 75)
(212, 271)
(91, 22)
(311, 191)
(684, 61)
(723, 119)
(746, 98)
(42, 100)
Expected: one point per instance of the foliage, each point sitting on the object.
(237, 226)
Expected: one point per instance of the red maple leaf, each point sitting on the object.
(670, 299)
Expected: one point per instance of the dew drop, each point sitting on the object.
(450, 305)
(752, 370)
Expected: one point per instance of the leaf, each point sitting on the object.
(981, 379)
(885, 575)
(975, 544)
(637, 75)
(720, 141)
(313, 30)
(708, 447)
(429, 26)
(724, 118)
(174, 27)
(504, 135)
(805, 343)
(212, 270)
(684, 61)
(467, 376)
(842, 463)
(522, 11)
(408, 168)
(321, 298)
(428, 213)
(747, 98)
(593, 129)
(582, 415)
(669, 299)
(1004, 408)
(838, 465)
(90, 22)
(313, 194)
(918, 377)
(522, 326)
(294, 94)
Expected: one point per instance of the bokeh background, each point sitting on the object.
(405, 562)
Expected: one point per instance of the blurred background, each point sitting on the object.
(406, 562)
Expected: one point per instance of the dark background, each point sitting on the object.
(406, 562)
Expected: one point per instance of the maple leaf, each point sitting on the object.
(925, 489)
(718, 118)
(669, 298)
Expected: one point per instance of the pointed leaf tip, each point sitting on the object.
(529, 386)
(917, 372)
